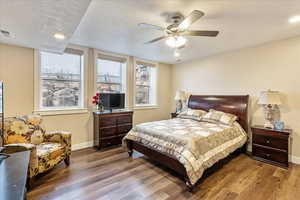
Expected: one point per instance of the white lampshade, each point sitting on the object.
(175, 42)
(180, 95)
(269, 97)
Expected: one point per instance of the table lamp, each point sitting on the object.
(179, 97)
(270, 101)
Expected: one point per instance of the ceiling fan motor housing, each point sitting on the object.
(177, 18)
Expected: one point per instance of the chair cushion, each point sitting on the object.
(49, 155)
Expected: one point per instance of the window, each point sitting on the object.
(145, 84)
(61, 80)
(111, 74)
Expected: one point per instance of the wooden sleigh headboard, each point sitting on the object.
(237, 105)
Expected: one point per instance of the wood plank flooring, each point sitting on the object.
(112, 175)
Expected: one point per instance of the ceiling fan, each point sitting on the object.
(175, 32)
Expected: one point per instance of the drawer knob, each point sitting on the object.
(268, 155)
(268, 141)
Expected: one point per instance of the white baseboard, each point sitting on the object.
(82, 145)
(295, 159)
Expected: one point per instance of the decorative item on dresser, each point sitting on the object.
(271, 146)
(111, 127)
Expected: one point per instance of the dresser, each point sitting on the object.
(111, 127)
(271, 146)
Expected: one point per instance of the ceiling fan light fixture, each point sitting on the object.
(176, 54)
(59, 36)
(176, 41)
(294, 19)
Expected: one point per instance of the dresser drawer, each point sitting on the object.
(123, 129)
(271, 141)
(124, 119)
(269, 132)
(111, 141)
(270, 154)
(107, 121)
(108, 132)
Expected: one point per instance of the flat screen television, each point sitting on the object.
(2, 156)
(113, 100)
(1, 112)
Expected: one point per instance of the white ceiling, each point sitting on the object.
(111, 25)
(32, 23)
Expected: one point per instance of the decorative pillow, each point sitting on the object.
(219, 116)
(33, 119)
(192, 114)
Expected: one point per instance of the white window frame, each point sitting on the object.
(96, 53)
(37, 86)
(145, 106)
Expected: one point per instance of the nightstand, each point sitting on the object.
(271, 146)
(174, 114)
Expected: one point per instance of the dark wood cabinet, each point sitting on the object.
(13, 176)
(271, 146)
(111, 127)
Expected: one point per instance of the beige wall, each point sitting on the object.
(273, 66)
(17, 72)
(247, 71)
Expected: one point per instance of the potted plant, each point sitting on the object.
(98, 102)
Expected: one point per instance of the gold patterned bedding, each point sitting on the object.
(195, 144)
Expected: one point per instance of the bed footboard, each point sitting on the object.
(174, 164)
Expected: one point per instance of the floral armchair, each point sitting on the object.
(47, 149)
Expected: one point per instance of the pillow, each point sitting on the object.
(192, 114)
(219, 116)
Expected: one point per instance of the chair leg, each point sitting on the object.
(130, 153)
(67, 160)
(30, 183)
(130, 149)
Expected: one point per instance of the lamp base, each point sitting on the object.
(269, 125)
(178, 106)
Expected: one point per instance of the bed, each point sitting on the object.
(190, 147)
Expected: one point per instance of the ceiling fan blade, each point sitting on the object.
(181, 47)
(155, 40)
(150, 26)
(190, 19)
(200, 33)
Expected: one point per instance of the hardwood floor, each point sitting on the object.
(112, 175)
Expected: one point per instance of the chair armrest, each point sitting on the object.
(33, 163)
(62, 137)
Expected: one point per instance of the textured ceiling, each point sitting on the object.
(111, 25)
(32, 23)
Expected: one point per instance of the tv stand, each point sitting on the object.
(111, 126)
